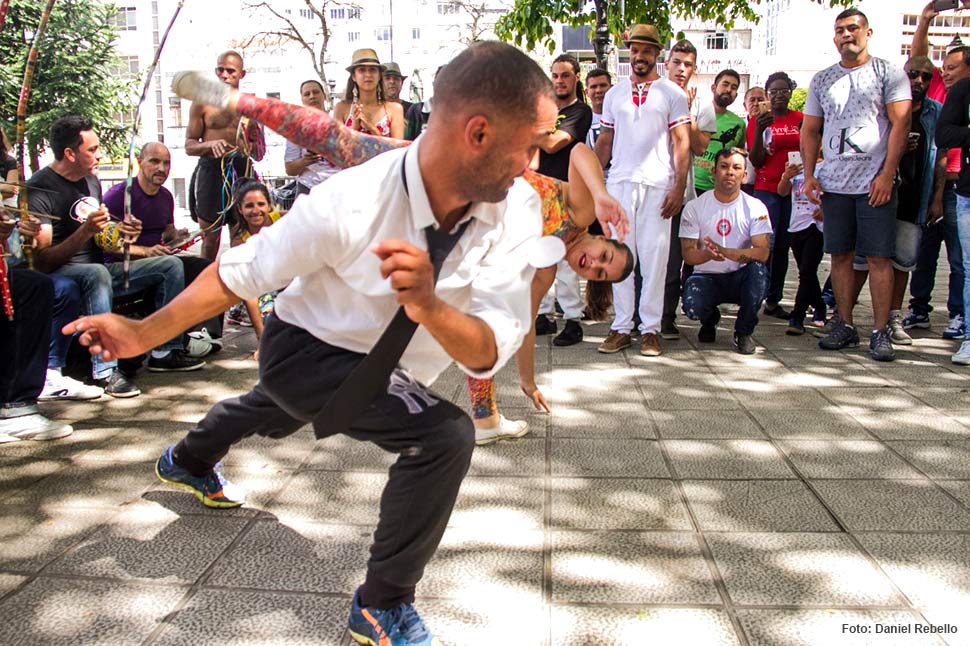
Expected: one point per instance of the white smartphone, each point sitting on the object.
(794, 157)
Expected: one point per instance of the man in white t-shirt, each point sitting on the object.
(681, 65)
(864, 104)
(725, 234)
(645, 135)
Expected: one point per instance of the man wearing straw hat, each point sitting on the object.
(645, 136)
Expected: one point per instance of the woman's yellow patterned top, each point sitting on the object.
(555, 218)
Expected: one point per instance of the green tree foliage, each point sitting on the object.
(530, 22)
(78, 72)
(797, 101)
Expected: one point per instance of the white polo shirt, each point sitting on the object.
(322, 250)
(641, 118)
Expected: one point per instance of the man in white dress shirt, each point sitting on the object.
(350, 254)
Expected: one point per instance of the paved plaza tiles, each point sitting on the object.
(701, 497)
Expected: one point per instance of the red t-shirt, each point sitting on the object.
(784, 139)
(936, 91)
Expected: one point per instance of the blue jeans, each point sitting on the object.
(100, 283)
(924, 278)
(779, 212)
(67, 306)
(963, 227)
(746, 287)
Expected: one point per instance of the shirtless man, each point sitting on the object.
(226, 153)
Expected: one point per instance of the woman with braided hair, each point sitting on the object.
(567, 209)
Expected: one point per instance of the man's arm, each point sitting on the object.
(194, 145)
(116, 337)
(48, 256)
(899, 113)
(921, 39)
(701, 130)
(604, 146)
(758, 153)
(758, 251)
(935, 213)
(695, 253)
(680, 137)
(951, 128)
(587, 198)
(556, 141)
(811, 143)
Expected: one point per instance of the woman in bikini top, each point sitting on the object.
(364, 108)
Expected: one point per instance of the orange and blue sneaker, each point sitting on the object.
(398, 626)
(212, 489)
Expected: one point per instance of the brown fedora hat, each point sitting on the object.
(394, 69)
(365, 56)
(646, 34)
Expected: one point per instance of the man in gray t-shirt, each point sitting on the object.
(864, 104)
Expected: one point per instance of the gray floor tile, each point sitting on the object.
(342, 453)
(22, 472)
(318, 558)
(9, 582)
(762, 396)
(702, 425)
(887, 505)
(813, 627)
(521, 457)
(486, 564)
(807, 372)
(509, 503)
(946, 459)
(846, 459)
(330, 497)
(810, 425)
(150, 543)
(958, 488)
(691, 398)
(941, 396)
(921, 423)
(30, 538)
(661, 377)
(932, 570)
(741, 459)
(235, 617)
(798, 569)
(104, 484)
(583, 626)
(69, 612)
(479, 620)
(602, 503)
(260, 487)
(627, 458)
(756, 506)
(874, 398)
(602, 420)
(627, 567)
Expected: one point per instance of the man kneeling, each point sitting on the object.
(725, 234)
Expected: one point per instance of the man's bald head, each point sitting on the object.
(230, 68)
(153, 148)
(154, 165)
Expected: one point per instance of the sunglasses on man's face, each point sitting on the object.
(915, 74)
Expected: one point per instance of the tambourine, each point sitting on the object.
(110, 238)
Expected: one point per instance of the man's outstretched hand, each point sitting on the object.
(110, 335)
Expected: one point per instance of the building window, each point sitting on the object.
(353, 14)
(127, 67)
(306, 13)
(175, 108)
(273, 95)
(353, 36)
(382, 33)
(906, 50)
(416, 33)
(938, 53)
(716, 40)
(126, 118)
(337, 14)
(447, 8)
(124, 19)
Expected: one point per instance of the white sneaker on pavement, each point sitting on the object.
(199, 344)
(955, 329)
(506, 429)
(59, 387)
(962, 356)
(28, 424)
(897, 332)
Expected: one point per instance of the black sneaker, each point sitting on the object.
(174, 361)
(841, 336)
(743, 343)
(119, 385)
(669, 330)
(572, 333)
(545, 325)
(796, 327)
(881, 345)
(707, 333)
(777, 311)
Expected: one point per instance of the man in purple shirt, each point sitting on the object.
(154, 206)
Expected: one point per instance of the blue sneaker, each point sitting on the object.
(916, 320)
(212, 489)
(399, 626)
(955, 330)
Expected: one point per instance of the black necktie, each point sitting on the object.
(366, 381)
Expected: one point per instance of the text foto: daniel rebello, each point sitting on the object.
(900, 629)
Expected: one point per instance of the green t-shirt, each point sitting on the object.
(730, 132)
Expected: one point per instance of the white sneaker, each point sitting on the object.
(955, 329)
(200, 344)
(31, 426)
(897, 332)
(58, 387)
(506, 429)
(962, 356)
